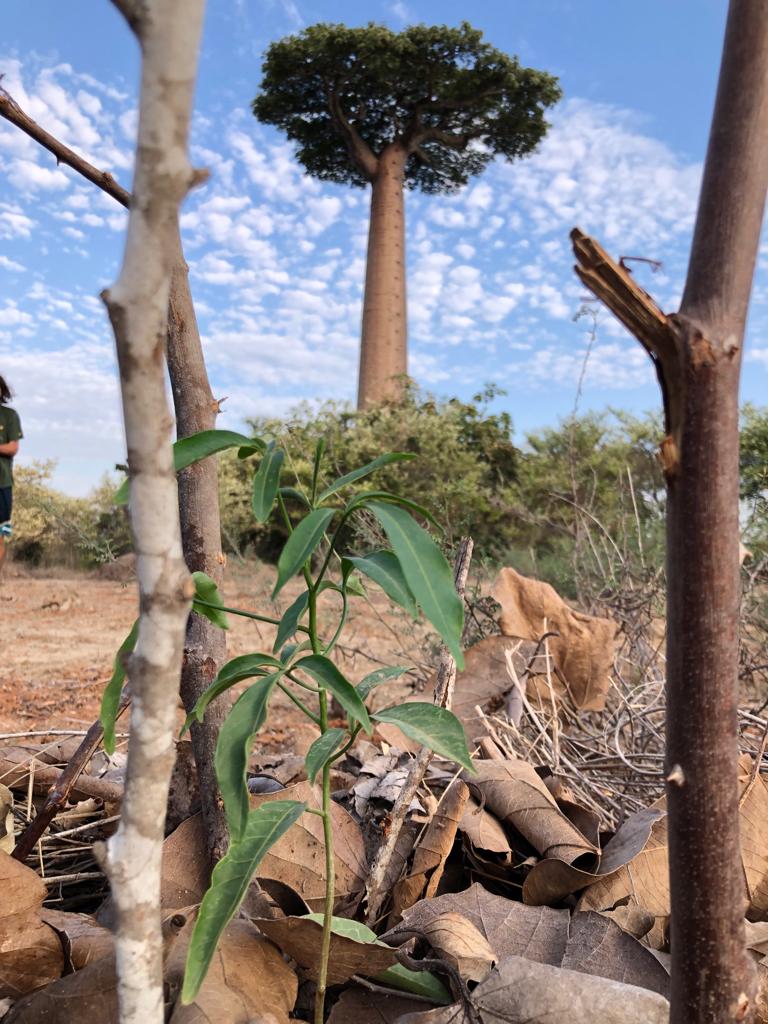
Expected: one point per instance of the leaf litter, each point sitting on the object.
(536, 887)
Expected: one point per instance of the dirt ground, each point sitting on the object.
(60, 633)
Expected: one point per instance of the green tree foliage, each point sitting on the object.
(754, 476)
(51, 528)
(464, 474)
(455, 102)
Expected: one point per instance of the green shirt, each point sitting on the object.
(10, 430)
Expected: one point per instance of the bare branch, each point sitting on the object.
(359, 151)
(169, 33)
(11, 111)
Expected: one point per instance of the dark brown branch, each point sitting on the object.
(615, 287)
(11, 111)
(63, 785)
(359, 151)
(450, 139)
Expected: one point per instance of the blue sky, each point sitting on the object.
(277, 259)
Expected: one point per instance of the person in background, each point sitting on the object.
(10, 434)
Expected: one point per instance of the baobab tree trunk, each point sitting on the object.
(195, 410)
(697, 354)
(384, 341)
(168, 32)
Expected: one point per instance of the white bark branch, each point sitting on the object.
(169, 33)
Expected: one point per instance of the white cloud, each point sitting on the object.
(28, 176)
(9, 264)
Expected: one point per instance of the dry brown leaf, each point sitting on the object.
(635, 920)
(185, 865)
(455, 1014)
(757, 936)
(511, 928)
(87, 997)
(83, 940)
(597, 945)
(521, 990)
(583, 650)
(298, 857)
(457, 941)
(248, 981)
(486, 682)
(30, 951)
(300, 938)
(360, 1006)
(517, 796)
(483, 829)
(431, 851)
(7, 838)
(552, 880)
(753, 830)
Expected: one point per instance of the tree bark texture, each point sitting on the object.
(169, 33)
(711, 979)
(195, 410)
(205, 648)
(697, 355)
(384, 341)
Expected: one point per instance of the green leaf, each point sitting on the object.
(229, 883)
(110, 701)
(266, 482)
(188, 450)
(427, 574)
(383, 568)
(376, 678)
(393, 499)
(324, 672)
(418, 982)
(245, 666)
(296, 494)
(433, 727)
(291, 619)
(300, 545)
(349, 929)
(233, 749)
(358, 474)
(323, 747)
(206, 590)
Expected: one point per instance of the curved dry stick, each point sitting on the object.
(62, 786)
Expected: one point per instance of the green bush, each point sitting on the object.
(52, 529)
(464, 475)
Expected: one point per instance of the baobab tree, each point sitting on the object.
(427, 108)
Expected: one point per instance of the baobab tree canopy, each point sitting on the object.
(450, 99)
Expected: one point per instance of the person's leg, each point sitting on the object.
(6, 504)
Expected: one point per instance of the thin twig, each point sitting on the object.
(59, 792)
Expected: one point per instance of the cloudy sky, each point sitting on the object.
(277, 258)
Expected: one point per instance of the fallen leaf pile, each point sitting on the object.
(510, 897)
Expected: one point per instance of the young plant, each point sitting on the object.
(414, 575)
